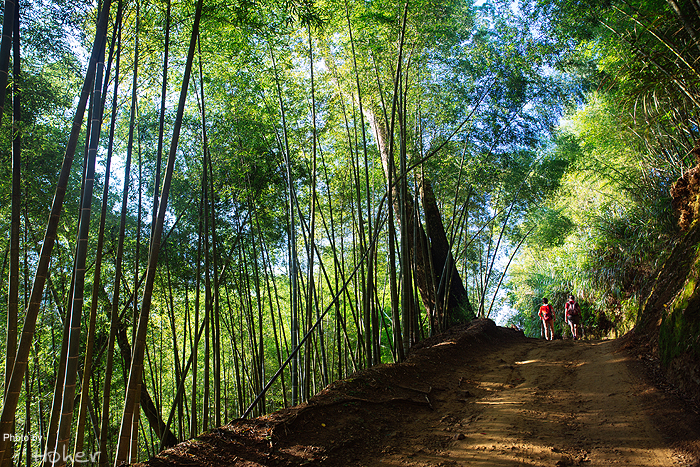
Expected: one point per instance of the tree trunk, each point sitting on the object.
(136, 368)
(13, 291)
(14, 387)
(5, 46)
(445, 271)
(87, 365)
(114, 317)
(431, 251)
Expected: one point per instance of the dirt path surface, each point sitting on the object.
(480, 396)
(541, 404)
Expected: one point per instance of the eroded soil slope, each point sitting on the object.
(479, 395)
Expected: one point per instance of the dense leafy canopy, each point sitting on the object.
(627, 145)
(349, 178)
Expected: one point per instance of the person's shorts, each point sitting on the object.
(574, 319)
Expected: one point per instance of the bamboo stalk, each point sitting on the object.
(136, 369)
(13, 389)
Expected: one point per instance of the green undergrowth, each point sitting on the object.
(670, 312)
(679, 330)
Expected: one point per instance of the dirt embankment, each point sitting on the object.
(480, 395)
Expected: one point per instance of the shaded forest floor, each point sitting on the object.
(477, 395)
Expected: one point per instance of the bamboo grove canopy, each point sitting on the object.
(215, 208)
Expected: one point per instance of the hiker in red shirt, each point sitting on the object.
(572, 315)
(547, 316)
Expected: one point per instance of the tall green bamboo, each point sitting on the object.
(259, 362)
(5, 47)
(136, 370)
(96, 283)
(135, 411)
(312, 223)
(195, 348)
(216, 334)
(402, 342)
(13, 283)
(208, 308)
(114, 316)
(70, 381)
(60, 375)
(272, 297)
(161, 116)
(15, 217)
(367, 281)
(174, 335)
(13, 389)
(291, 238)
(207, 294)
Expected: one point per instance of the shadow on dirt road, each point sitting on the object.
(540, 403)
(479, 396)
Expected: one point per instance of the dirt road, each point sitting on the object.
(537, 403)
(478, 395)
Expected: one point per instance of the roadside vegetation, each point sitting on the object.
(214, 209)
(612, 223)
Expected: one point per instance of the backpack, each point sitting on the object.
(573, 309)
(547, 312)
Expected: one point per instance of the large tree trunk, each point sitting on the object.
(436, 277)
(450, 288)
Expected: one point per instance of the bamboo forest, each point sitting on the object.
(213, 209)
